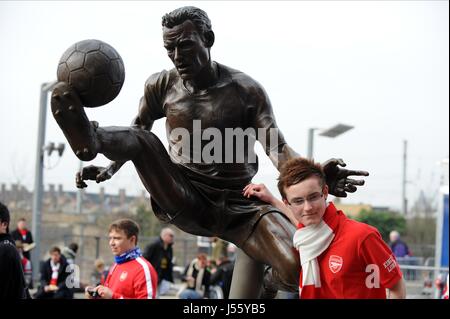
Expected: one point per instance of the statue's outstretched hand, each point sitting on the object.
(337, 178)
(91, 172)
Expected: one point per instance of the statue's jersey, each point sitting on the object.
(236, 104)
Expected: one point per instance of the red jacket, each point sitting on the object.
(356, 265)
(134, 279)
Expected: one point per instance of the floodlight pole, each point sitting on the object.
(39, 178)
(404, 199)
(331, 132)
(310, 142)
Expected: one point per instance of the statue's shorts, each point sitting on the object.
(193, 203)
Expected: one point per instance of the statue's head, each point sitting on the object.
(198, 17)
(188, 39)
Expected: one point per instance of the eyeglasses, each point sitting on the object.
(299, 202)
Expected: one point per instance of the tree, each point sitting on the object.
(420, 235)
(147, 221)
(384, 221)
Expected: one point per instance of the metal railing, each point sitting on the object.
(420, 277)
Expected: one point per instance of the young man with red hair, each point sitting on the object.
(340, 257)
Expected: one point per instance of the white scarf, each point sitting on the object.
(199, 279)
(55, 270)
(311, 241)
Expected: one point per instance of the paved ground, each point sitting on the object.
(414, 291)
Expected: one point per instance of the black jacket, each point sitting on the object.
(46, 274)
(222, 277)
(12, 281)
(206, 277)
(161, 259)
(17, 236)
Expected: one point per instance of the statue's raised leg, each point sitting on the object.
(247, 277)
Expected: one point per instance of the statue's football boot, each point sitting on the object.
(69, 113)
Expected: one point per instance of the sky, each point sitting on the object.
(381, 67)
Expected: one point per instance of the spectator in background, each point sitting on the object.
(398, 247)
(22, 234)
(196, 277)
(402, 252)
(26, 264)
(231, 251)
(219, 248)
(132, 276)
(53, 277)
(70, 253)
(442, 286)
(100, 272)
(12, 282)
(222, 275)
(445, 292)
(160, 254)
